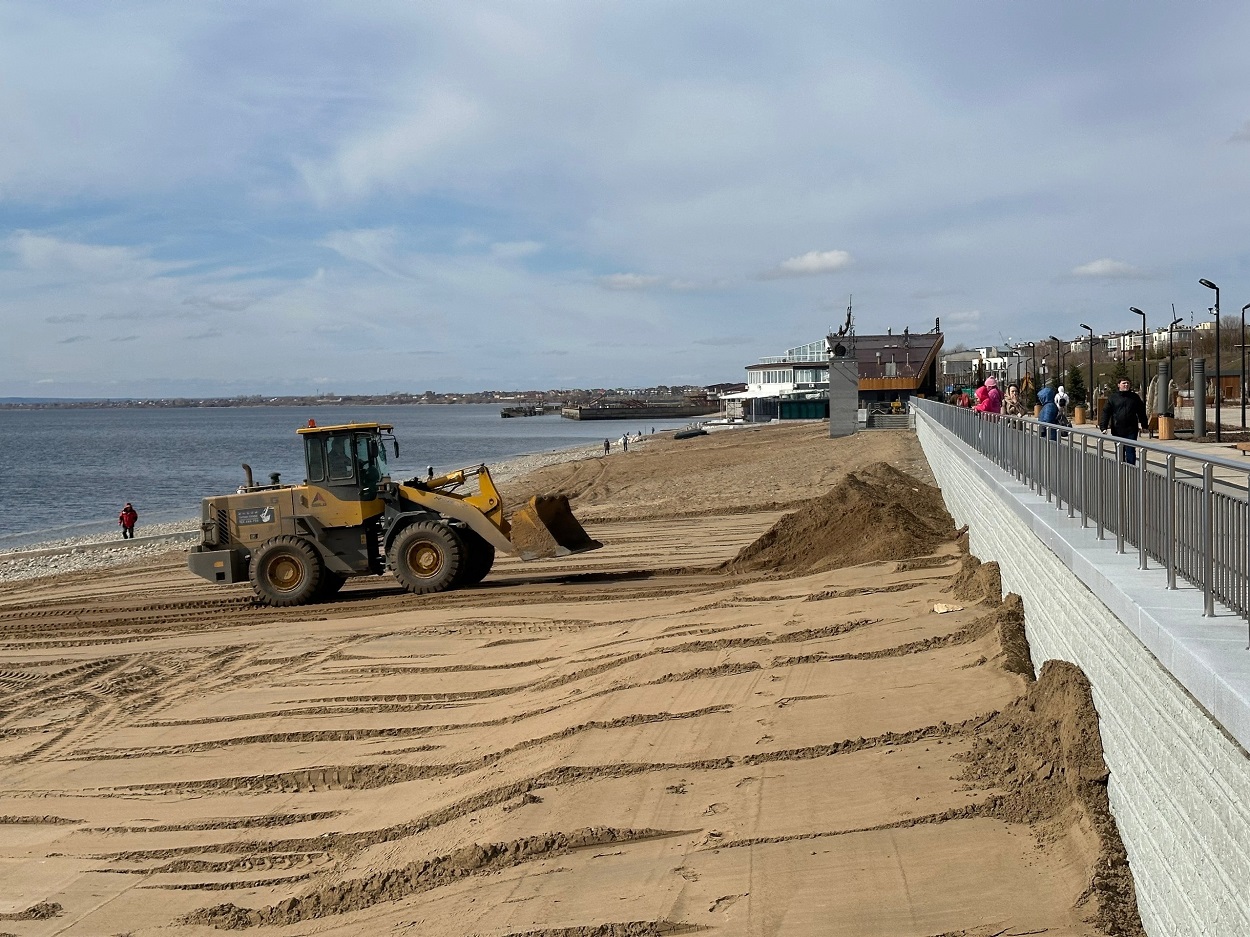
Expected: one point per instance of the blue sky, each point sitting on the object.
(288, 197)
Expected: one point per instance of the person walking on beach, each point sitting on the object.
(128, 518)
(625, 442)
(607, 447)
(1124, 412)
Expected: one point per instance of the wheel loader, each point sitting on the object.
(300, 543)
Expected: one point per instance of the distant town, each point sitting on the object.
(548, 398)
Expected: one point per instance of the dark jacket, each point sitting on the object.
(1124, 412)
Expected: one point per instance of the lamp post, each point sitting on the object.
(1143, 347)
(1033, 368)
(1243, 366)
(1089, 391)
(1058, 360)
(1173, 324)
(1215, 309)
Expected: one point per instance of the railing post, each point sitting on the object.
(1169, 550)
(1100, 502)
(1069, 482)
(1084, 481)
(1121, 495)
(1208, 545)
(1143, 457)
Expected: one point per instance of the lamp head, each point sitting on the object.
(1175, 322)
(1086, 327)
(1208, 284)
(1136, 310)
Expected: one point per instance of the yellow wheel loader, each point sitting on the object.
(300, 543)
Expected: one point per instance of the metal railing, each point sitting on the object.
(1188, 514)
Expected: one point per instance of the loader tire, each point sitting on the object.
(331, 583)
(479, 557)
(426, 557)
(286, 571)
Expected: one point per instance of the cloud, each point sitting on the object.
(962, 320)
(66, 317)
(373, 247)
(621, 282)
(221, 301)
(813, 263)
(73, 339)
(124, 338)
(1242, 135)
(207, 333)
(66, 258)
(629, 281)
(717, 341)
(1107, 269)
(514, 250)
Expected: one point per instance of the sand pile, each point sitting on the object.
(877, 513)
(977, 581)
(1044, 750)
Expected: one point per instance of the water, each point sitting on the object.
(70, 471)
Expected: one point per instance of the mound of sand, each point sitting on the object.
(877, 513)
(1044, 750)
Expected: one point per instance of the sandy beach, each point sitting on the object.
(783, 699)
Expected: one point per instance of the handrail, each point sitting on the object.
(1170, 505)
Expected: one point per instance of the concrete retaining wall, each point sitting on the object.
(1180, 782)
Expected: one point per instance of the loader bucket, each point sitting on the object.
(546, 527)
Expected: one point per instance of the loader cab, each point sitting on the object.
(348, 461)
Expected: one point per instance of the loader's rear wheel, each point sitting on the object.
(286, 571)
(331, 583)
(426, 557)
(479, 558)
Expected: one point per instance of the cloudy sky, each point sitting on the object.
(285, 197)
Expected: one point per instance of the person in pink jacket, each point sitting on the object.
(989, 397)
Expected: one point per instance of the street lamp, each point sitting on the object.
(1215, 309)
(1173, 324)
(1033, 368)
(1058, 360)
(1243, 366)
(1143, 347)
(1089, 391)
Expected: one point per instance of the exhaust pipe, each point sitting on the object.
(247, 474)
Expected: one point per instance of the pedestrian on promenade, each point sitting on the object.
(960, 398)
(1050, 412)
(607, 447)
(1124, 413)
(989, 397)
(1012, 404)
(127, 519)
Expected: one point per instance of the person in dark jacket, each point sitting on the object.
(1124, 412)
(127, 519)
(1050, 410)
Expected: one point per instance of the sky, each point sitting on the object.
(282, 198)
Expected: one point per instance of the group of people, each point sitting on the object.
(624, 440)
(1124, 413)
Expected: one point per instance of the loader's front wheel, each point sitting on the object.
(331, 583)
(426, 557)
(286, 571)
(479, 558)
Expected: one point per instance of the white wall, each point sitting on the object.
(1180, 784)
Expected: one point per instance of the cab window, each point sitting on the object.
(372, 461)
(315, 458)
(339, 458)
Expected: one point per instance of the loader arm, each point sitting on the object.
(482, 512)
(544, 527)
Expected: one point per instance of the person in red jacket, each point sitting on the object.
(127, 519)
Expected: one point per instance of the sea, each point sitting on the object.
(69, 471)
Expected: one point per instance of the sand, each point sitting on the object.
(724, 719)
